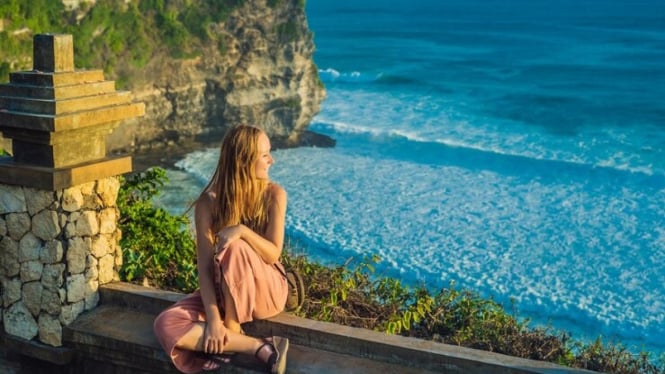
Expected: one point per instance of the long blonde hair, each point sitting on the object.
(240, 197)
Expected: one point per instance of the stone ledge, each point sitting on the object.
(403, 351)
(52, 179)
(54, 355)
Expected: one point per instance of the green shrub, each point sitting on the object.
(111, 31)
(287, 31)
(157, 246)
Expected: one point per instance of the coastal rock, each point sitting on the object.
(265, 76)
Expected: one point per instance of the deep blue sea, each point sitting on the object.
(516, 148)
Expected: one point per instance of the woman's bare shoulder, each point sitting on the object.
(205, 201)
(277, 191)
(277, 195)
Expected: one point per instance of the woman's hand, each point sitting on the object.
(214, 337)
(228, 235)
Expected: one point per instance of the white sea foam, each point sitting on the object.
(332, 75)
(426, 119)
(488, 232)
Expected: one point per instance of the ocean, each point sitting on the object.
(514, 147)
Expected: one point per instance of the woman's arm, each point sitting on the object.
(214, 333)
(269, 245)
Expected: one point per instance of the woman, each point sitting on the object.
(239, 220)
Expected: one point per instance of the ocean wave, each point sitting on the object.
(199, 164)
(332, 75)
(414, 146)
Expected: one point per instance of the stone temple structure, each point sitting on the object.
(58, 214)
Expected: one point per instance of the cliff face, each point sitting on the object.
(257, 69)
(265, 76)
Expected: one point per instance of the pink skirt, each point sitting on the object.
(258, 289)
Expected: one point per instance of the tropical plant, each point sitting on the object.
(157, 246)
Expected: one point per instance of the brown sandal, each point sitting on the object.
(276, 362)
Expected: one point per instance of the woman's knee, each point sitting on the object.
(238, 249)
(163, 321)
(240, 245)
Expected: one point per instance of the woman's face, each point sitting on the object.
(264, 160)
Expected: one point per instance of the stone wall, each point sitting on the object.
(56, 248)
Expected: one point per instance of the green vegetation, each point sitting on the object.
(287, 31)
(111, 31)
(159, 247)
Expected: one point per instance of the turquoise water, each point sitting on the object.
(514, 147)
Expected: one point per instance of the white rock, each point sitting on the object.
(100, 246)
(87, 224)
(106, 269)
(12, 199)
(32, 297)
(31, 271)
(11, 291)
(46, 224)
(30, 247)
(77, 250)
(36, 200)
(70, 312)
(17, 225)
(19, 322)
(50, 330)
(75, 288)
(108, 221)
(72, 199)
(53, 276)
(107, 189)
(52, 252)
(9, 265)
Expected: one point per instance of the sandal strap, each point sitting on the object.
(274, 354)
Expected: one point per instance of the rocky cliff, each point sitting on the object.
(266, 76)
(257, 69)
